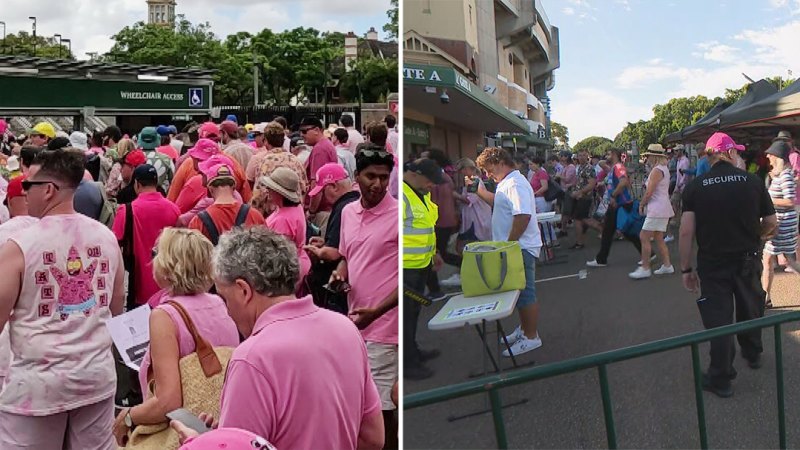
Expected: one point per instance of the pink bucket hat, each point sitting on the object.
(227, 439)
(328, 174)
(204, 149)
(721, 143)
(210, 167)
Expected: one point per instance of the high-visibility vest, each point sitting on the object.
(419, 236)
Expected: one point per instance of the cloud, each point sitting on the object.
(568, 11)
(626, 5)
(91, 23)
(714, 51)
(609, 113)
(636, 77)
(583, 9)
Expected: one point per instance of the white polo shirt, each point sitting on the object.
(514, 196)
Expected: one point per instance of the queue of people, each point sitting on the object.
(264, 255)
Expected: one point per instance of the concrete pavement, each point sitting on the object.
(653, 396)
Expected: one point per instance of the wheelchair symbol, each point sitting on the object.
(196, 97)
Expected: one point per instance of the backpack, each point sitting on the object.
(109, 209)
(213, 232)
(554, 190)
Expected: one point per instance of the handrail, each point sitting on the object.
(491, 384)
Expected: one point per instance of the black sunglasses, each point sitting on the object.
(27, 184)
(378, 153)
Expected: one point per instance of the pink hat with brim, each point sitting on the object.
(227, 439)
(721, 143)
(204, 149)
(210, 167)
(328, 174)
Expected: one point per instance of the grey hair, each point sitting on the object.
(266, 260)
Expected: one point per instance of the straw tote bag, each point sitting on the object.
(202, 376)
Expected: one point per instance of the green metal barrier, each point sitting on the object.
(491, 385)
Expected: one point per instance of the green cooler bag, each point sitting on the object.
(492, 267)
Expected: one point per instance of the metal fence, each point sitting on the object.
(492, 385)
(292, 114)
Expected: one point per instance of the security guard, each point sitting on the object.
(419, 256)
(731, 214)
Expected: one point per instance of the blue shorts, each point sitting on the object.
(528, 295)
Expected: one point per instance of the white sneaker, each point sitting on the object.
(664, 270)
(523, 345)
(513, 337)
(594, 263)
(453, 281)
(652, 258)
(640, 273)
(669, 238)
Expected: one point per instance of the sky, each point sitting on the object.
(619, 58)
(91, 23)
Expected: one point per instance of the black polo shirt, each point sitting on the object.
(728, 204)
(333, 231)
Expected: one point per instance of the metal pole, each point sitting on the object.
(255, 81)
(4, 36)
(69, 43)
(608, 412)
(779, 380)
(59, 44)
(34, 34)
(698, 396)
(497, 416)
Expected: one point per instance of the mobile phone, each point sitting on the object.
(185, 417)
(337, 286)
(473, 187)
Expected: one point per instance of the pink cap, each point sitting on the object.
(328, 174)
(204, 149)
(215, 160)
(721, 143)
(209, 130)
(227, 439)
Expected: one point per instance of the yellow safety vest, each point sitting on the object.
(419, 237)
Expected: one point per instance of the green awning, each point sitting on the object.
(468, 106)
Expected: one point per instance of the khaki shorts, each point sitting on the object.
(383, 365)
(88, 427)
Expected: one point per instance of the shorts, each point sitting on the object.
(568, 206)
(384, 369)
(528, 295)
(582, 208)
(87, 427)
(655, 224)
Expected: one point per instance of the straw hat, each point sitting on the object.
(655, 150)
(284, 181)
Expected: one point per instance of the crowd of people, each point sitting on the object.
(267, 253)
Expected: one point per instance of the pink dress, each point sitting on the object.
(291, 222)
(210, 317)
(659, 206)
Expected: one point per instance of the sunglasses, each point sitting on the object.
(27, 184)
(378, 153)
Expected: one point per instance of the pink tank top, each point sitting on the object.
(210, 317)
(61, 350)
(659, 205)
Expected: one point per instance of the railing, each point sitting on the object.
(491, 385)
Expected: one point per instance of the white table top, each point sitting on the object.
(548, 217)
(460, 310)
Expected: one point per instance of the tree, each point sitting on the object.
(392, 27)
(21, 44)
(560, 133)
(594, 144)
(371, 78)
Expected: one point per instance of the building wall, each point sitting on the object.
(437, 19)
(487, 45)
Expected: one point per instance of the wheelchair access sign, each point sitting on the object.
(195, 97)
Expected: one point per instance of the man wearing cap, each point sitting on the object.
(730, 213)
(226, 212)
(338, 190)
(166, 147)
(149, 140)
(322, 152)
(514, 219)
(42, 133)
(128, 164)
(232, 145)
(369, 246)
(419, 256)
(265, 162)
(149, 214)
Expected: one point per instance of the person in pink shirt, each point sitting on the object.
(301, 379)
(182, 267)
(151, 214)
(369, 244)
(289, 219)
(63, 280)
(323, 151)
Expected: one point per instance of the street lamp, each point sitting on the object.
(58, 36)
(33, 18)
(4, 36)
(69, 44)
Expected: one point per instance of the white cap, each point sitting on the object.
(62, 134)
(79, 140)
(13, 163)
(260, 127)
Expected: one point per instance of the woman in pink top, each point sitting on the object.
(289, 219)
(182, 266)
(658, 210)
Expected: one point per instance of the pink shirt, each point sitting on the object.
(323, 153)
(151, 214)
(7, 230)
(659, 206)
(369, 242)
(442, 195)
(61, 348)
(210, 317)
(301, 380)
(168, 150)
(536, 181)
(191, 193)
(291, 222)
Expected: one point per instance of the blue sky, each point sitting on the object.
(91, 23)
(621, 57)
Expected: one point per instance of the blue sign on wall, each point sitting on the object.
(196, 97)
